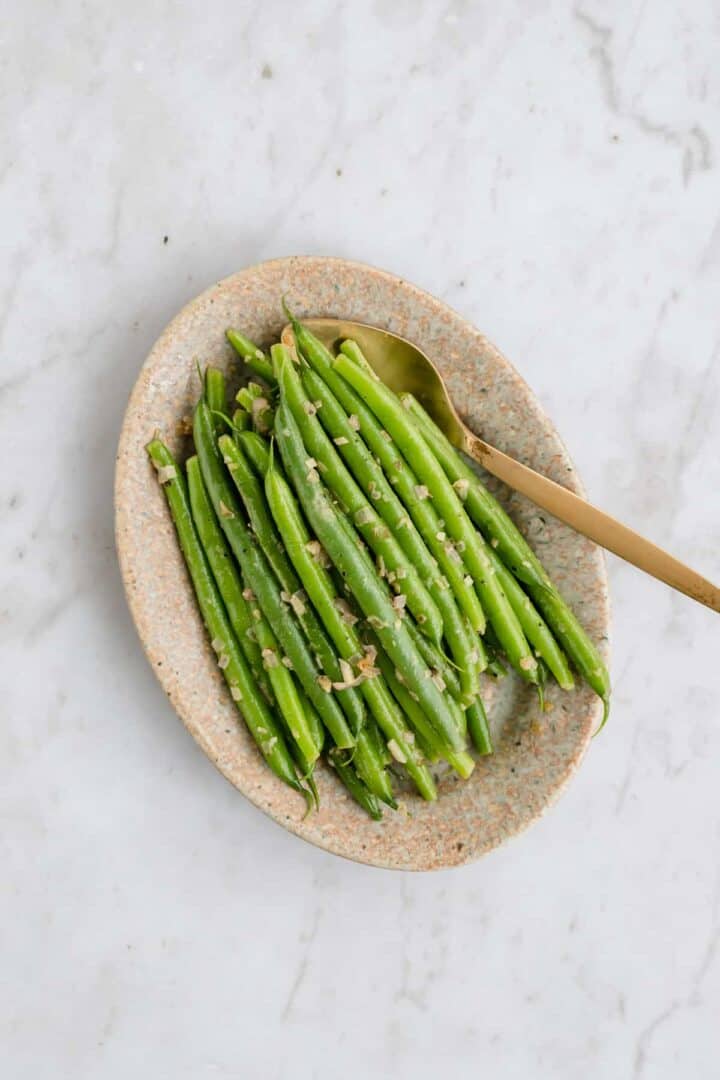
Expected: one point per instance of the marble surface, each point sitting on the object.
(552, 172)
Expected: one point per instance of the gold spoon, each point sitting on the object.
(405, 368)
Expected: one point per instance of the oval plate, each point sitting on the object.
(536, 753)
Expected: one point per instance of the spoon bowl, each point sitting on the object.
(401, 365)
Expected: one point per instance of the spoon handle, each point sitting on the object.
(593, 523)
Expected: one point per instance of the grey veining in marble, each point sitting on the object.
(550, 170)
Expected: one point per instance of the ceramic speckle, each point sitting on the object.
(535, 753)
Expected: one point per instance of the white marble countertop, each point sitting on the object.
(550, 171)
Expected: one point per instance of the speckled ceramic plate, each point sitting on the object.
(535, 753)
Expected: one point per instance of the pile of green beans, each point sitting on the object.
(355, 577)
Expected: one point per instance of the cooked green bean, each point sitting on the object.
(436, 485)
(478, 727)
(355, 786)
(536, 629)
(398, 472)
(370, 476)
(446, 678)
(232, 663)
(543, 673)
(248, 394)
(518, 556)
(215, 395)
(255, 399)
(314, 721)
(256, 450)
(425, 734)
(307, 768)
(241, 421)
(353, 352)
(254, 358)
(260, 578)
(263, 416)
(253, 496)
(428, 748)
(436, 659)
(284, 689)
(325, 458)
(495, 667)
(405, 702)
(227, 579)
(367, 587)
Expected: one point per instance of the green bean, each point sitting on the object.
(370, 476)
(306, 768)
(263, 417)
(253, 496)
(377, 733)
(308, 774)
(493, 647)
(254, 358)
(255, 399)
(251, 493)
(231, 661)
(314, 721)
(519, 557)
(226, 576)
(495, 667)
(369, 591)
(478, 727)
(457, 714)
(399, 739)
(284, 689)
(427, 747)
(543, 673)
(355, 786)
(532, 622)
(369, 761)
(353, 352)
(215, 395)
(364, 515)
(308, 558)
(241, 421)
(261, 580)
(256, 450)
(398, 472)
(402, 428)
(248, 394)
(425, 734)
(435, 659)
